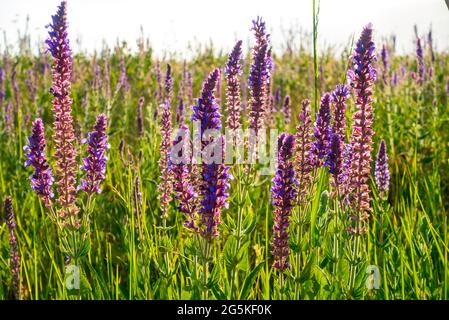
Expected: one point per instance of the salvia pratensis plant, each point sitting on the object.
(94, 165)
(140, 128)
(123, 79)
(233, 101)
(215, 184)
(160, 91)
(13, 247)
(322, 131)
(184, 191)
(15, 89)
(381, 171)
(168, 88)
(362, 76)
(9, 117)
(420, 63)
(73, 232)
(180, 112)
(42, 178)
(30, 82)
(165, 186)
(64, 135)
(335, 161)
(2, 87)
(277, 98)
(430, 44)
(214, 187)
(385, 58)
(283, 195)
(189, 88)
(287, 110)
(303, 161)
(257, 86)
(339, 98)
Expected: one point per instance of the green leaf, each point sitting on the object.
(249, 223)
(214, 276)
(218, 293)
(249, 281)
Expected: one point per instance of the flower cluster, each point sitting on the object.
(303, 161)
(140, 129)
(421, 72)
(287, 110)
(64, 135)
(362, 76)
(168, 89)
(257, 86)
(381, 171)
(42, 178)
(179, 165)
(166, 179)
(215, 176)
(233, 71)
(322, 131)
(339, 97)
(14, 247)
(95, 164)
(283, 196)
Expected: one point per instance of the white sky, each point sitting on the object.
(171, 24)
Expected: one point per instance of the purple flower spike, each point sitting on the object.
(215, 176)
(430, 43)
(184, 191)
(363, 79)
(14, 247)
(168, 85)
(339, 97)
(189, 85)
(140, 128)
(160, 91)
(421, 67)
(165, 187)
(207, 110)
(335, 160)
(64, 133)
(95, 164)
(2, 87)
(277, 97)
(381, 171)
(42, 179)
(123, 80)
(180, 112)
(287, 110)
(260, 32)
(283, 196)
(9, 118)
(322, 131)
(303, 153)
(259, 78)
(233, 71)
(257, 85)
(385, 57)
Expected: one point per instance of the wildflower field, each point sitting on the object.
(248, 174)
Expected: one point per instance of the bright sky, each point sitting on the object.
(171, 24)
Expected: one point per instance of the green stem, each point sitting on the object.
(298, 254)
(205, 268)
